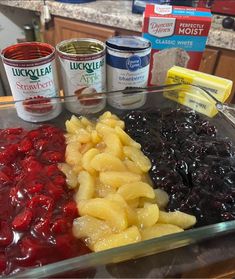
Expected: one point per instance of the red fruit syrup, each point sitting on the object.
(36, 207)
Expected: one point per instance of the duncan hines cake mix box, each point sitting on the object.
(178, 36)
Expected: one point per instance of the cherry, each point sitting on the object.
(6, 234)
(31, 164)
(52, 157)
(51, 170)
(35, 188)
(41, 201)
(9, 154)
(34, 199)
(34, 135)
(66, 245)
(51, 131)
(41, 144)
(22, 220)
(4, 178)
(42, 228)
(19, 177)
(55, 191)
(11, 131)
(13, 195)
(70, 210)
(59, 179)
(25, 145)
(34, 252)
(60, 226)
(8, 171)
(3, 262)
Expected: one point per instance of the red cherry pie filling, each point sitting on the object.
(37, 208)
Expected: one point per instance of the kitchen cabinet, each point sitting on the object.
(220, 62)
(67, 29)
(225, 67)
(209, 59)
(49, 35)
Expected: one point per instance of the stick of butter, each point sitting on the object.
(219, 87)
(196, 102)
(194, 97)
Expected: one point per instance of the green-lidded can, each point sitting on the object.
(83, 71)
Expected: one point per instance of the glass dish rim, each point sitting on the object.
(138, 250)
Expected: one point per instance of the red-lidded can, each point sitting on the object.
(31, 72)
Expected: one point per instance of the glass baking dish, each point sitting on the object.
(171, 249)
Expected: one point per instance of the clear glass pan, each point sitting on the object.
(156, 247)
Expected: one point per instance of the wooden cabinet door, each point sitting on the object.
(49, 35)
(209, 59)
(226, 68)
(67, 29)
(226, 65)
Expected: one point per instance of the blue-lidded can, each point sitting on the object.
(127, 60)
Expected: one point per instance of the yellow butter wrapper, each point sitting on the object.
(193, 100)
(220, 87)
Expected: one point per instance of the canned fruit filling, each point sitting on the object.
(113, 192)
(37, 208)
(108, 183)
(194, 165)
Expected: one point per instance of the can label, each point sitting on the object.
(127, 69)
(32, 81)
(89, 73)
(35, 83)
(83, 74)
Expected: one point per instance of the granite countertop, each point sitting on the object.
(117, 14)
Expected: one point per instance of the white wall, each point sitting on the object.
(12, 21)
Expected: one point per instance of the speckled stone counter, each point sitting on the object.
(117, 14)
(220, 37)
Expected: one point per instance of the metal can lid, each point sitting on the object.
(132, 43)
